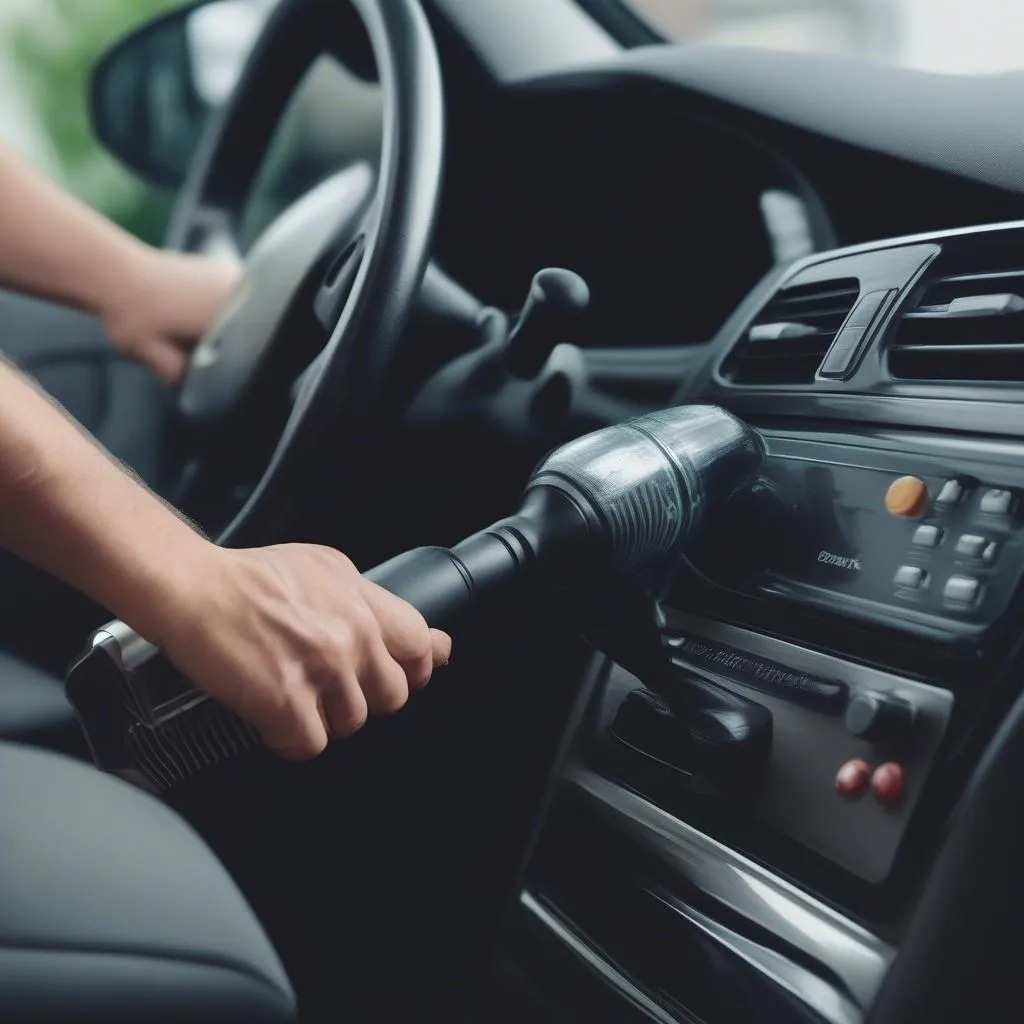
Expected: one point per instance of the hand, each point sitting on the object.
(164, 306)
(296, 642)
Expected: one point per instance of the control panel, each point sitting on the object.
(925, 541)
(830, 753)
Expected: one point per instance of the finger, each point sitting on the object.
(295, 730)
(383, 680)
(167, 361)
(404, 632)
(441, 647)
(344, 709)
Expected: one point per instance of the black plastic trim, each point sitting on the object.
(622, 21)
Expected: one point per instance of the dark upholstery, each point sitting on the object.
(113, 910)
(33, 708)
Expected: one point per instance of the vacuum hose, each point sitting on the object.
(625, 497)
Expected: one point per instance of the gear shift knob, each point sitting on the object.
(556, 296)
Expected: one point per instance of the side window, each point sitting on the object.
(933, 35)
(819, 26)
(47, 51)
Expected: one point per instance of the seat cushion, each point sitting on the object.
(33, 708)
(113, 910)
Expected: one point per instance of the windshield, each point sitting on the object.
(956, 36)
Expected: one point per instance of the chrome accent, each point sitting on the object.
(853, 960)
(796, 979)
(899, 242)
(133, 649)
(607, 970)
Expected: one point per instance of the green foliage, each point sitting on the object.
(53, 45)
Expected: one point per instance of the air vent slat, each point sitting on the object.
(1004, 304)
(966, 326)
(788, 340)
(1014, 347)
(1004, 275)
(811, 294)
(786, 349)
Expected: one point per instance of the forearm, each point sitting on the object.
(68, 508)
(56, 247)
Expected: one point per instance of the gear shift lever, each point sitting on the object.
(623, 497)
(556, 296)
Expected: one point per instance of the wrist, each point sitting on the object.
(159, 587)
(120, 283)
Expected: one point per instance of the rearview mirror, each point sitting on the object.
(154, 92)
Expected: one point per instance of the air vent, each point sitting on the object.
(789, 338)
(966, 327)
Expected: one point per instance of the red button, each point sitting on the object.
(887, 783)
(852, 779)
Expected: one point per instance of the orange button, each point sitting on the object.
(907, 496)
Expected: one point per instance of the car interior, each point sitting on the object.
(684, 385)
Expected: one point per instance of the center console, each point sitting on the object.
(750, 802)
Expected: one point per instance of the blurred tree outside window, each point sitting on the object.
(48, 48)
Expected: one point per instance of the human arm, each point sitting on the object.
(291, 638)
(153, 303)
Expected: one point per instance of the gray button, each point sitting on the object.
(996, 502)
(961, 590)
(989, 555)
(951, 493)
(841, 356)
(909, 576)
(927, 536)
(971, 546)
(867, 309)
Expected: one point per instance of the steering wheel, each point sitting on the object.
(350, 254)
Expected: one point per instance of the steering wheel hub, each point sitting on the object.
(230, 360)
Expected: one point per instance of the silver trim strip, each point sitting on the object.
(897, 242)
(807, 986)
(131, 646)
(846, 951)
(607, 970)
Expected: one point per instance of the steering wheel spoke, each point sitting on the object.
(337, 273)
(207, 230)
(336, 287)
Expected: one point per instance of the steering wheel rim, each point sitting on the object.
(342, 388)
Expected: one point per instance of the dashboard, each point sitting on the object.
(777, 780)
(757, 796)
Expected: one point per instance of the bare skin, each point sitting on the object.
(291, 637)
(154, 304)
